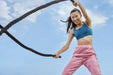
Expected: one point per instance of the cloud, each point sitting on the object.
(4, 10)
(110, 2)
(96, 7)
(97, 18)
(11, 1)
(22, 7)
(11, 9)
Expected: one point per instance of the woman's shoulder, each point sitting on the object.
(89, 25)
(72, 31)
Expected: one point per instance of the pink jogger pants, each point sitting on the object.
(83, 55)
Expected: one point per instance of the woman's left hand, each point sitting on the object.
(57, 55)
(76, 3)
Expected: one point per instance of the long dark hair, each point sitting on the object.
(69, 22)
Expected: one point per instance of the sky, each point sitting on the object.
(44, 32)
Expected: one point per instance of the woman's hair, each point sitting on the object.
(69, 22)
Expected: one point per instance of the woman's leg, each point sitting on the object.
(92, 64)
(73, 65)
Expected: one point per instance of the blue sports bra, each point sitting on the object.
(82, 32)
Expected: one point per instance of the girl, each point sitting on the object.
(84, 53)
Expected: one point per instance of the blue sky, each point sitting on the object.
(44, 32)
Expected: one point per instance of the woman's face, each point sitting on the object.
(76, 17)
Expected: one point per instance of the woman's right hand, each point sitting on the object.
(76, 3)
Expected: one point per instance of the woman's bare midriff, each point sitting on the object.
(87, 40)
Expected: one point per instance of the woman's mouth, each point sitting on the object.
(76, 21)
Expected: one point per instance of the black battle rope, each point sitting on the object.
(4, 29)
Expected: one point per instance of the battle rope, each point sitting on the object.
(4, 29)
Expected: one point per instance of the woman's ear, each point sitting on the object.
(81, 16)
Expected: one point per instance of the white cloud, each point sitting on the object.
(11, 1)
(64, 10)
(96, 7)
(97, 18)
(4, 10)
(110, 2)
(25, 6)
(11, 9)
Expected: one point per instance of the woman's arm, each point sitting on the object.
(67, 44)
(88, 20)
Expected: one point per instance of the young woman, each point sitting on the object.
(84, 53)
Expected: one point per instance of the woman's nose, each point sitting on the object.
(74, 19)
